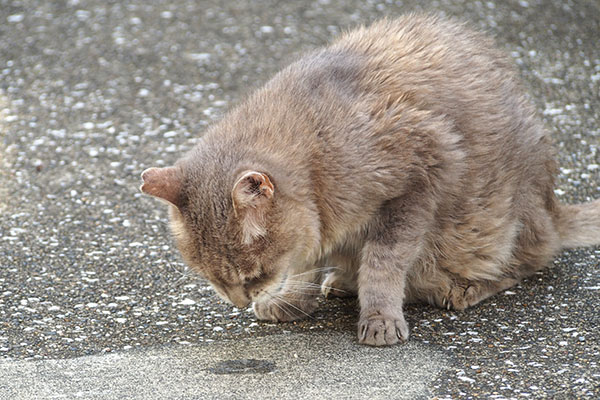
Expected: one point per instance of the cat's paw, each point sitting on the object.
(282, 309)
(458, 298)
(336, 285)
(382, 330)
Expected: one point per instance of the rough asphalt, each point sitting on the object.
(96, 303)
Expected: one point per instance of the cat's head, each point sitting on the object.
(239, 229)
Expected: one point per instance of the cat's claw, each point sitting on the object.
(459, 298)
(326, 287)
(380, 331)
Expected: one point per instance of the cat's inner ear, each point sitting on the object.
(163, 183)
(252, 189)
(252, 194)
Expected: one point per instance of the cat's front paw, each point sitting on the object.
(381, 330)
(282, 309)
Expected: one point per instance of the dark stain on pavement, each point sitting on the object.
(242, 366)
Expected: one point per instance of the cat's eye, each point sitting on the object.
(246, 282)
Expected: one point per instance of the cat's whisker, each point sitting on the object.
(302, 289)
(302, 284)
(275, 301)
(316, 270)
(279, 306)
(283, 300)
(301, 281)
(299, 286)
(334, 289)
(183, 275)
(310, 285)
(319, 269)
(310, 292)
(297, 309)
(171, 266)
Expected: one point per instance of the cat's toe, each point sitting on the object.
(459, 298)
(380, 331)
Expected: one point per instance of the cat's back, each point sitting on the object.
(431, 63)
(385, 79)
(427, 53)
(442, 66)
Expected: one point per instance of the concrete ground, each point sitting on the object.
(95, 302)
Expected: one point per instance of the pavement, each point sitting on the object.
(277, 367)
(96, 303)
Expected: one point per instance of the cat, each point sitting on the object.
(405, 156)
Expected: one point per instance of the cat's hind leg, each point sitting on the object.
(536, 244)
(464, 293)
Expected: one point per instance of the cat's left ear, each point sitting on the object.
(252, 195)
(163, 183)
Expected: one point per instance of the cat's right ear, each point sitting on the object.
(163, 183)
(252, 195)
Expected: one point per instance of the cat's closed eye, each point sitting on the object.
(250, 282)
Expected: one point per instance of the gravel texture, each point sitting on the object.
(93, 92)
(292, 366)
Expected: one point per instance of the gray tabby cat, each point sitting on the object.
(405, 155)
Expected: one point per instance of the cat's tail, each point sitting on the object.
(579, 224)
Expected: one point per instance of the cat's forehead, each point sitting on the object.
(227, 268)
(207, 190)
(210, 232)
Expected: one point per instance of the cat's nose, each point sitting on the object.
(241, 303)
(238, 298)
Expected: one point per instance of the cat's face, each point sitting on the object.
(242, 237)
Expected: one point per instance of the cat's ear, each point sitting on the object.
(252, 194)
(163, 183)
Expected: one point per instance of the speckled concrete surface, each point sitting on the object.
(291, 366)
(93, 92)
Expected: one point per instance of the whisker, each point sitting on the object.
(185, 275)
(320, 269)
(280, 298)
(301, 283)
(296, 308)
(310, 285)
(334, 288)
(310, 288)
(315, 270)
(297, 286)
(279, 306)
(301, 289)
(308, 291)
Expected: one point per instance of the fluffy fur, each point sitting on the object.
(405, 155)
